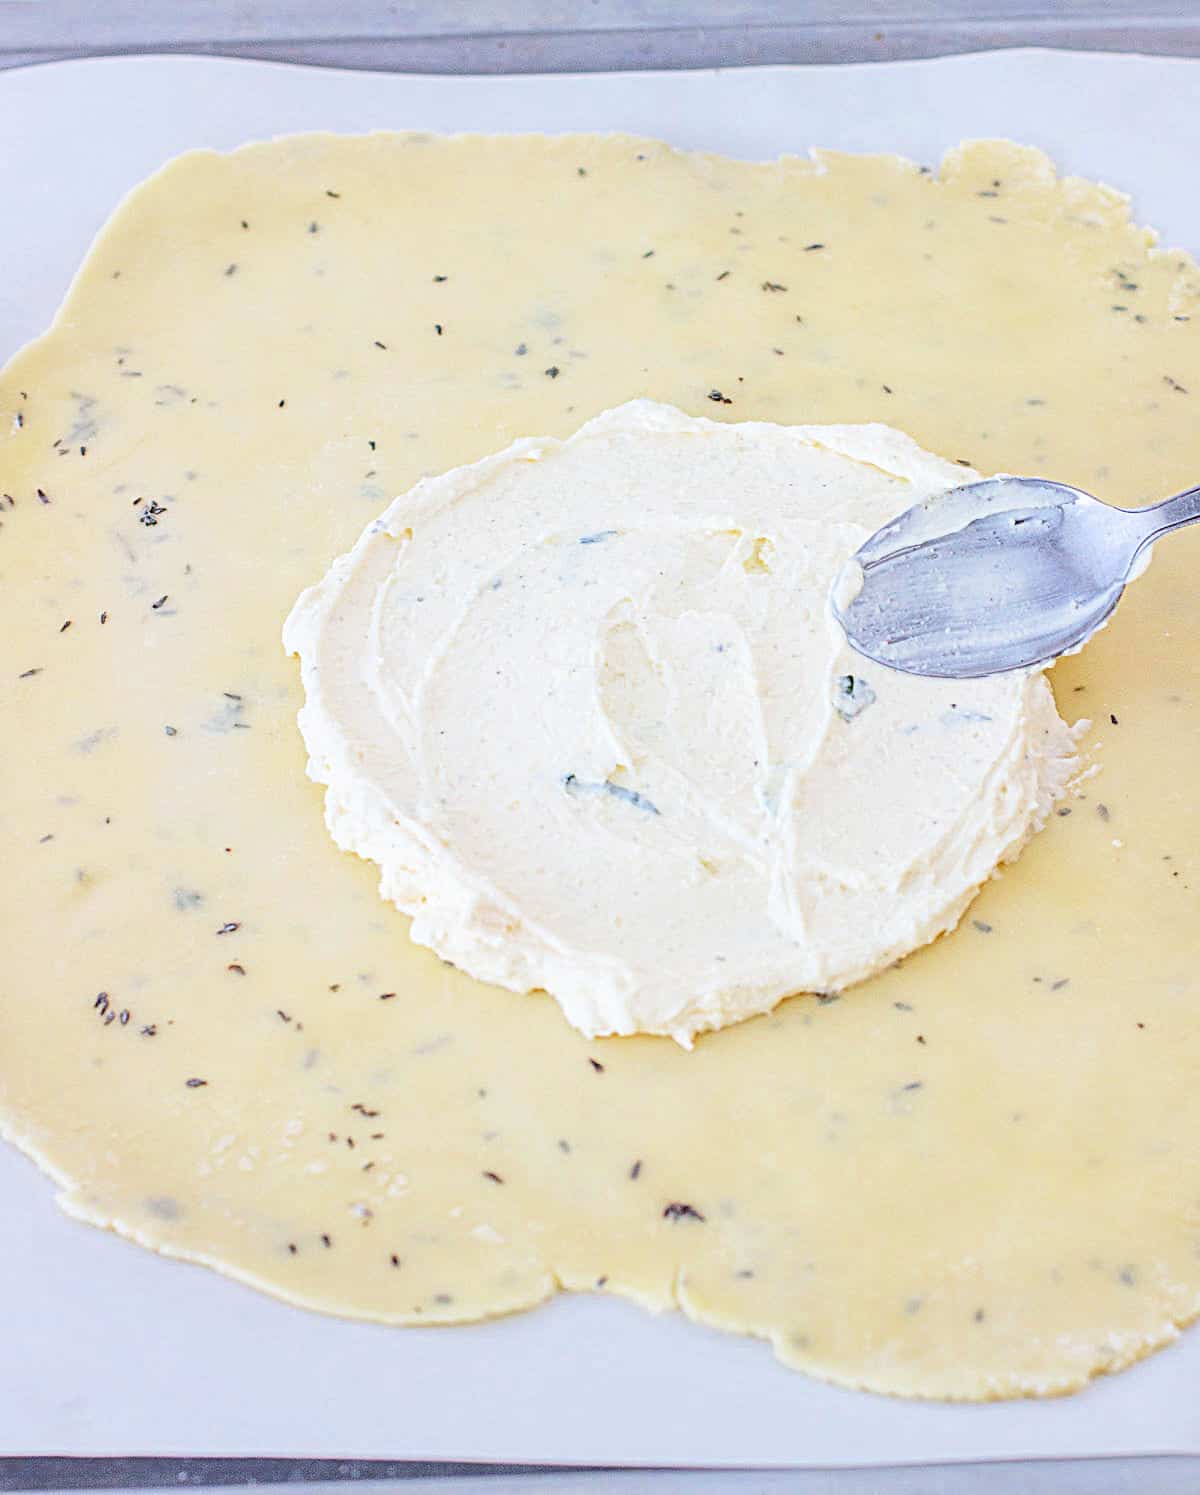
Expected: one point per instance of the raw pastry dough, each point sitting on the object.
(974, 1176)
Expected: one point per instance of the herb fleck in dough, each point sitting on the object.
(1013, 1155)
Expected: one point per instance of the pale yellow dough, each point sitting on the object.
(972, 1177)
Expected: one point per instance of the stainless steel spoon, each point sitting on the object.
(997, 575)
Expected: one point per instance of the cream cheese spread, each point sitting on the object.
(586, 706)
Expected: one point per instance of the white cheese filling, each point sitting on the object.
(585, 704)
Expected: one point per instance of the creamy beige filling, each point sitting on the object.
(586, 705)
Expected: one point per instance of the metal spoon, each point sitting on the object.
(997, 575)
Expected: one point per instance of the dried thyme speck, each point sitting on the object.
(292, 1248)
(384, 996)
(103, 617)
(438, 279)
(981, 926)
(230, 927)
(156, 605)
(520, 350)
(231, 269)
(195, 1084)
(718, 398)
(314, 227)
(238, 970)
(42, 496)
(1113, 719)
(724, 274)
(65, 626)
(171, 731)
(773, 285)
(596, 1065)
(1103, 812)
(552, 372)
(329, 192)
(437, 327)
(28, 674)
(635, 1171)
(326, 1242)
(394, 1259)
(495, 1177)
(682, 1212)
(1060, 983)
(808, 248)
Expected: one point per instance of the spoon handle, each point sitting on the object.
(1171, 514)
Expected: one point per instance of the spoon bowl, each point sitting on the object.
(1004, 574)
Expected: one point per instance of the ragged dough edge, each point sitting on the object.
(1119, 1351)
(77, 1207)
(469, 923)
(1033, 166)
(73, 1199)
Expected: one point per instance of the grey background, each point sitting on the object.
(499, 36)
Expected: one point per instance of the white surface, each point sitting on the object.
(105, 1349)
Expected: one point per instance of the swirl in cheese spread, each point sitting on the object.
(585, 705)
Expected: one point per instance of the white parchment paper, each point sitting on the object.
(106, 1349)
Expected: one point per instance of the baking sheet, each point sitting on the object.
(105, 1349)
